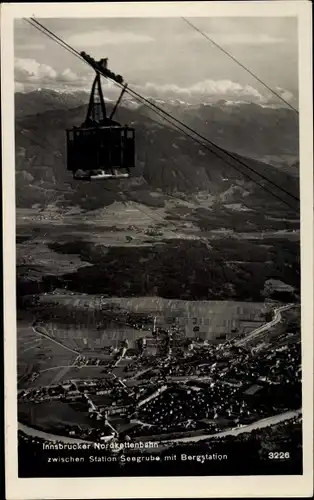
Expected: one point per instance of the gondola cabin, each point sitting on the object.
(100, 152)
(100, 148)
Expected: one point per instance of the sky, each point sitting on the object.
(164, 57)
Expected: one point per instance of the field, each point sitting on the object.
(52, 414)
(38, 354)
(120, 224)
(213, 317)
(74, 319)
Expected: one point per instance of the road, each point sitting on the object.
(46, 336)
(35, 344)
(64, 370)
(259, 424)
(276, 319)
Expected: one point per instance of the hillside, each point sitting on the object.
(246, 128)
(166, 161)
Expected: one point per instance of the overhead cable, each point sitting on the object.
(240, 64)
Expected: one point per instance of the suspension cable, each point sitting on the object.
(240, 64)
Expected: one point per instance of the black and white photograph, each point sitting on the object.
(157, 255)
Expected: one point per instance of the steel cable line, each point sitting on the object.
(166, 116)
(213, 145)
(175, 127)
(227, 162)
(240, 64)
(33, 22)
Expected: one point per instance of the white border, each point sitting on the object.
(170, 487)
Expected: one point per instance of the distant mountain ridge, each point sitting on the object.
(41, 100)
(249, 129)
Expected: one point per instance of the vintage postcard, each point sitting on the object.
(158, 249)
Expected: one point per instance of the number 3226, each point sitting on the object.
(278, 455)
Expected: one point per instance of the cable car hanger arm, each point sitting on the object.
(118, 101)
(91, 111)
(100, 67)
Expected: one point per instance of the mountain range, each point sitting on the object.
(167, 160)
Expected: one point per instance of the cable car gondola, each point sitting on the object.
(100, 148)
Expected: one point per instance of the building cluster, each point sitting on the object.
(204, 388)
